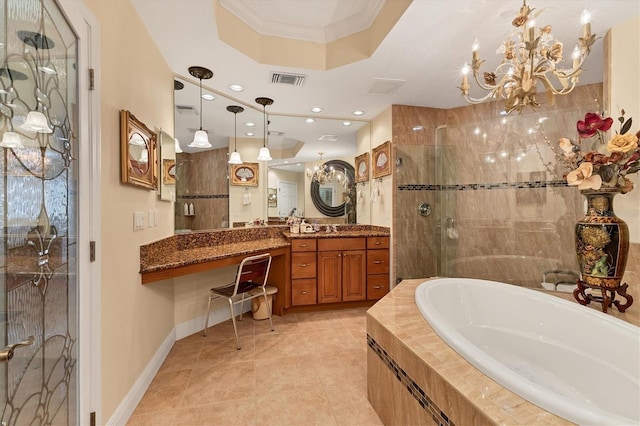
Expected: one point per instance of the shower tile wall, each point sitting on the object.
(202, 182)
(495, 183)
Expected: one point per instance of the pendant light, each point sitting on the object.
(235, 155)
(200, 139)
(264, 154)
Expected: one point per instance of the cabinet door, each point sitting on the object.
(329, 276)
(354, 275)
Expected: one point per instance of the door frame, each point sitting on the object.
(87, 29)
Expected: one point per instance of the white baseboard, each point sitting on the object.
(132, 399)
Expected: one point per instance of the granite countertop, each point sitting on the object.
(190, 256)
(348, 231)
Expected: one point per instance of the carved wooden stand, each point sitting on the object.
(608, 296)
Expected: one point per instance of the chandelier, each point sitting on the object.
(530, 57)
(321, 173)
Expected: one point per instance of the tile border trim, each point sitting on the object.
(477, 186)
(202, 196)
(412, 387)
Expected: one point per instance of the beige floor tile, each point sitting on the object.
(165, 392)
(181, 356)
(218, 352)
(234, 412)
(295, 408)
(277, 344)
(286, 374)
(310, 371)
(157, 418)
(215, 384)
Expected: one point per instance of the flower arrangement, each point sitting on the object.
(597, 164)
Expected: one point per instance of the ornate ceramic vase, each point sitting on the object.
(602, 241)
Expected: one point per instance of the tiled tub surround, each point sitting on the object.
(429, 371)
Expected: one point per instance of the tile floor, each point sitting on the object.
(310, 371)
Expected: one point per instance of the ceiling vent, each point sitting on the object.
(385, 86)
(288, 78)
(329, 138)
(186, 110)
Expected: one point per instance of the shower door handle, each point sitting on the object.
(7, 353)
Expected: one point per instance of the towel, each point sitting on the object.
(246, 199)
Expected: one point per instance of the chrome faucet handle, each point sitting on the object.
(7, 353)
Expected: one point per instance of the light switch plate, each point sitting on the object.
(138, 221)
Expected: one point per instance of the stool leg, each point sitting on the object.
(206, 318)
(241, 307)
(233, 320)
(266, 300)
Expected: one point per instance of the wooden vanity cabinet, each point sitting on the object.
(342, 275)
(303, 272)
(377, 267)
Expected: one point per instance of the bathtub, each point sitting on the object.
(570, 360)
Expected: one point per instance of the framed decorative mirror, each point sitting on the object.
(138, 152)
(336, 197)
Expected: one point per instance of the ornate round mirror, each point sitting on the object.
(335, 197)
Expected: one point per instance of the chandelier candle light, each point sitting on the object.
(530, 56)
(321, 173)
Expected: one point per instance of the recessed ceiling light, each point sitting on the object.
(236, 88)
(208, 97)
(316, 109)
(346, 123)
(309, 120)
(358, 112)
(249, 133)
(249, 124)
(286, 161)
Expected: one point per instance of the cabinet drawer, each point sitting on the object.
(303, 244)
(377, 261)
(377, 242)
(377, 286)
(303, 292)
(303, 265)
(328, 244)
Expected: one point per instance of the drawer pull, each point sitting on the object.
(339, 255)
(377, 287)
(304, 245)
(304, 265)
(377, 262)
(304, 292)
(378, 243)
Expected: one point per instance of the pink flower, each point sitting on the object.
(584, 178)
(592, 123)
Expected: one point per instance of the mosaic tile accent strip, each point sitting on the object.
(477, 186)
(412, 387)
(201, 196)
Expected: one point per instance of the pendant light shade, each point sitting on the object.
(200, 138)
(264, 154)
(234, 158)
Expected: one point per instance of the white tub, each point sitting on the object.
(573, 361)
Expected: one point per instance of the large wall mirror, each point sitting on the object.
(206, 199)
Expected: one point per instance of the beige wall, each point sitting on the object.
(382, 209)
(624, 85)
(363, 205)
(136, 319)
